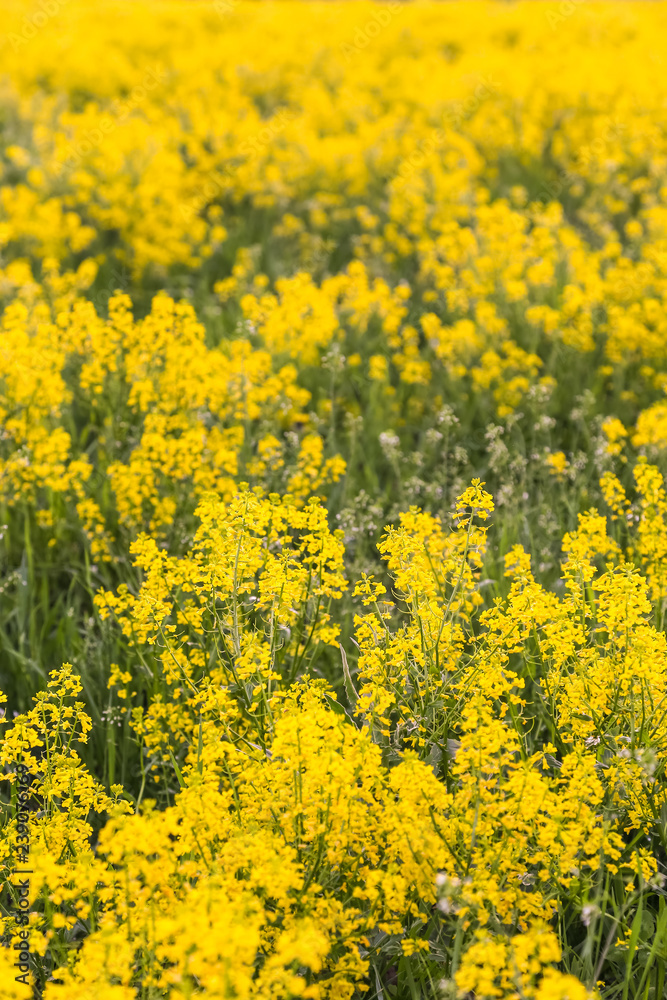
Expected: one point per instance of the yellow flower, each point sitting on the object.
(556, 463)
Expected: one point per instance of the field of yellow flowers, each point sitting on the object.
(333, 511)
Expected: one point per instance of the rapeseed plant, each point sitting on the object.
(333, 518)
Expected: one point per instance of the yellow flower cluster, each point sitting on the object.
(138, 172)
(332, 463)
(165, 417)
(392, 245)
(296, 842)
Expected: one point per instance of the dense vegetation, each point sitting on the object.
(333, 544)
